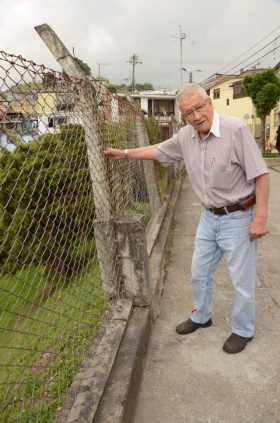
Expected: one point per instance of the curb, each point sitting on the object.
(120, 395)
(86, 391)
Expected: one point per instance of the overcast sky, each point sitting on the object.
(110, 31)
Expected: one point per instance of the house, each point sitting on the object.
(27, 114)
(229, 97)
(162, 106)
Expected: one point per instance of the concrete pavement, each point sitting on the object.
(189, 379)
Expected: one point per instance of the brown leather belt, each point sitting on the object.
(242, 205)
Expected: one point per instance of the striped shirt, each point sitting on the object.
(222, 167)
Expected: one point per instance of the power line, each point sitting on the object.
(221, 70)
(261, 57)
(252, 55)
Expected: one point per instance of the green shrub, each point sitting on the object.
(153, 130)
(46, 204)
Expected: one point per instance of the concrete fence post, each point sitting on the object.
(149, 166)
(104, 229)
(133, 258)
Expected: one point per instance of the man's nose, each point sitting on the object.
(196, 114)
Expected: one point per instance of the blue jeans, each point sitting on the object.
(229, 235)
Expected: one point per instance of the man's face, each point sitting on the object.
(197, 111)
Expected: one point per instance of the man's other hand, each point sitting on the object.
(258, 228)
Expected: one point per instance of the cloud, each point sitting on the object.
(113, 30)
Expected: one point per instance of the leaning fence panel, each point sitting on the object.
(57, 248)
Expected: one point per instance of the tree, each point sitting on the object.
(147, 86)
(264, 90)
(123, 88)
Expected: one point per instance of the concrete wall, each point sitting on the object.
(144, 104)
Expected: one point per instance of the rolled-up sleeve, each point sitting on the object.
(169, 151)
(249, 154)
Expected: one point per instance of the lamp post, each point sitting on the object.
(191, 75)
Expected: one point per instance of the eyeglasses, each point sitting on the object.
(190, 113)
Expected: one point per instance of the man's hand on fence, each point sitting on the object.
(115, 153)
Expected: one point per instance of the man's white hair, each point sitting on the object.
(189, 90)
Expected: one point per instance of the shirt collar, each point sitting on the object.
(215, 128)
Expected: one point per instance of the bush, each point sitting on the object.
(46, 204)
(153, 130)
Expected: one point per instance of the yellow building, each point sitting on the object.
(229, 98)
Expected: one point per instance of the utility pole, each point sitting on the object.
(99, 68)
(182, 36)
(134, 60)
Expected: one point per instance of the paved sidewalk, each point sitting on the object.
(189, 379)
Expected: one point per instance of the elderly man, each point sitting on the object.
(230, 178)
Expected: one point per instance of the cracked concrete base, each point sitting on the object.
(118, 402)
(106, 387)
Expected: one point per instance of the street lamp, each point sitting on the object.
(191, 73)
(185, 70)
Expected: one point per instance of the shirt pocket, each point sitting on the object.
(221, 178)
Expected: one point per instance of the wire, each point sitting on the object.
(221, 70)
(229, 69)
(252, 55)
(261, 57)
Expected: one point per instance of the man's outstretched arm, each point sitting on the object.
(141, 153)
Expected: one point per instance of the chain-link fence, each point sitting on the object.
(58, 196)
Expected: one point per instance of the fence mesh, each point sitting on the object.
(57, 191)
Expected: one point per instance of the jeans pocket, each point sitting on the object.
(242, 215)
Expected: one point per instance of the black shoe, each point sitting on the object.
(236, 343)
(188, 326)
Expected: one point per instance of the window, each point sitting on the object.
(55, 121)
(227, 101)
(61, 120)
(216, 93)
(208, 92)
(238, 90)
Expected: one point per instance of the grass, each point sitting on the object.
(271, 155)
(53, 340)
(141, 208)
(163, 179)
